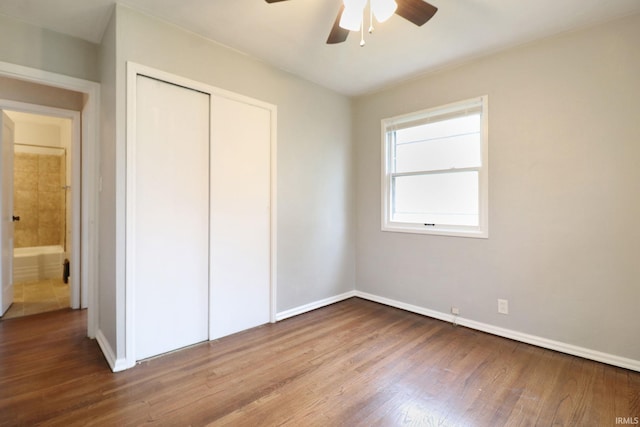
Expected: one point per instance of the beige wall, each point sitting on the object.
(564, 193)
(110, 298)
(31, 46)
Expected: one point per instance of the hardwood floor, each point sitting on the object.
(355, 363)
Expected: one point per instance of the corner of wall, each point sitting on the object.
(115, 364)
(314, 305)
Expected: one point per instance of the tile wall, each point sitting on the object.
(39, 199)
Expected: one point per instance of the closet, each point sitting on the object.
(199, 212)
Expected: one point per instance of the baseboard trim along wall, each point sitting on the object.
(115, 364)
(573, 350)
(585, 353)
(610, 359)
(314, 305)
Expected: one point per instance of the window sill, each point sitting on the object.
(416, 229)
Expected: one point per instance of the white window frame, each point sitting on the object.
(419, 118)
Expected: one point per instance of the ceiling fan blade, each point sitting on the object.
(338, 34)
(274, 1)
(416, 11)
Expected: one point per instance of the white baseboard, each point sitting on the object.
(118, 365)
(115, 364)
(314, 305)
(585, 353)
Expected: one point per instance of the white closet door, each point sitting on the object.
(170, 217)
(240, 216)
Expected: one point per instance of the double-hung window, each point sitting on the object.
(435, 170)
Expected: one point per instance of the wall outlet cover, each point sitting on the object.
(503, 306)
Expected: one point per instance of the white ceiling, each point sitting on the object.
(291, 34)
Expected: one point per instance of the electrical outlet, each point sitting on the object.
(455, 310)
(503, 306)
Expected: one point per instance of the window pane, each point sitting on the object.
(453, 143)
(441, 199)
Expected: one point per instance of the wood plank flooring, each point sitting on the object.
(355, 363)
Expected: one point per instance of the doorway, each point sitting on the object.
(34, 88)
(45, 218)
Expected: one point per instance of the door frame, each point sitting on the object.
(7, 291)
(133, 70)
(90, 135)
(78, 294)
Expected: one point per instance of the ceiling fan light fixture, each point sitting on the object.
(352, 15)
(354, 4)
(383, 9)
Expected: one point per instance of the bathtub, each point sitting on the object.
(37, 263)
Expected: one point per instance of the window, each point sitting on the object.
(435, 171)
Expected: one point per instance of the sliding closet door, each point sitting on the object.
(240, 216)
(170, 217)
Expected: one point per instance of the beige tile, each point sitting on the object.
(48, 236)
(32, 283)
(26, 222)
(18, 294)
(32, 238)
(49, 182)
(39, 296)
(62, 293)
(40, 307)
(16, 310)
(25, 180)
(49, 218)
(25, 199)
(25, 161)
(41, 293)
(25, 238)
(26, 207)
(19, 239)
(49, 164)
(28, 219)
(50, 200)
(39, 200)
(59, 284)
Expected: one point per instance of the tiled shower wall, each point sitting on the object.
(39, 199)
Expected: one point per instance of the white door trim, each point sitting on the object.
(7, 229)
(133, 70)
(90, 149)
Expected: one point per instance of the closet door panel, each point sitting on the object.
(170, 217)
(240, 216)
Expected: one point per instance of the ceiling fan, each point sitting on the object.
(350, 15)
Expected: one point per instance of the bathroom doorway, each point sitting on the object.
(45, 210)
(38, 91)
